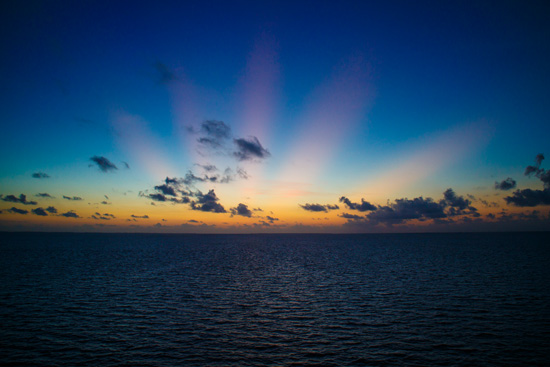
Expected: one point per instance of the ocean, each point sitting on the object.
(274, 300)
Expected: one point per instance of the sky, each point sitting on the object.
(275, 116)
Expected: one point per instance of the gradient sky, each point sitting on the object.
(302, 116)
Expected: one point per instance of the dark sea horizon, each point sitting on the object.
(416, 299)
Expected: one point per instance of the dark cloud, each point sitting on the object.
(106, 216)
(271, 219)
(166, 189)
(40, 175)
(319, 207)
(207, 203)
(103, 164)
(214, 134)
(164, 74)
(44, 195)
(22, 199)
(140, 216)
(70, 214)
(18, 211)
(507, 184)
(39, 211)
(404, 209)
(539, 158)
(126, 165)
(249, 149)
(105, 202)
(242, 210)
(74, 198)
(363, 207)
(51, 210)
(351, 216)
(529, 197)
(540, 173)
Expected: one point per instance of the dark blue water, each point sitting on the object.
(255, 300)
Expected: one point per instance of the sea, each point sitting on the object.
(83, 299)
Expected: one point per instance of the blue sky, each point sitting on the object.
(374, 101)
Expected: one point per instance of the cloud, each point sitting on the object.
(44, 195)
(249, 149)
(207, 203)
(74, 198)
(140, 216)
(271, 219)
(106, 216)
(207, 167)
(126, 165)
(164, 73)
(507, 184)
(21, 199)
(39, 211)
(456, 205)
(319, 207)
(104, 164)
(404, 209)
(105, 202)
(40, 175)
(18, 211)
(242, 210)
(214, 133)
(51, 210)
(70, 214)
(351, 216)
(529, 197)
(364, 206)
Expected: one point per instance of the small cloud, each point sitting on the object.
(39, 211)
(507, 184)
(351, 216)
(126, 165)
(22, 199)
(140, 216)
(165, 74)
(271, 219)
(106, 197)
(319, 207)
(207, 203)
(105, 202)
(103, 164)
(214, 134)
(74, 198)
(18, 211)
(51, 210)
(364, 206)
(248, 149)
(40, 175)
(44, 195)
(70, 214)
(242, 210)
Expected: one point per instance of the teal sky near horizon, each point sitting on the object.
(275, 116)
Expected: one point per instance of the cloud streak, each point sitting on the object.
(104, 164)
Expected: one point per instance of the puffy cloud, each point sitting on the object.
(404, 209)
(74, 198)
(507, 184)
(51, 210)
(165, 189)
(248, 149)
(40, 175)
(18, 211)
(70, 214)
(319, 207)
(39, 211)
(103, 164)
(271, 219)
(364, 206)
(22, 199)
(207, 203)
(529, 197)
(242, 210)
